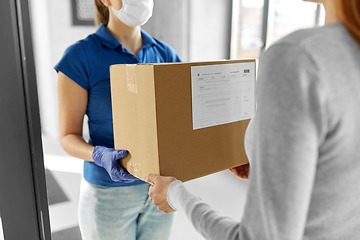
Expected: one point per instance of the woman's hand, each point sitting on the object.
(158, 191)
(242, 171)
(108, 158)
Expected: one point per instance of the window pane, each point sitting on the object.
(286, 16)
(247, 28)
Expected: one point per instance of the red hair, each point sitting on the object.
(349, 15)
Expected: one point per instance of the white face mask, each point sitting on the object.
(135, 12)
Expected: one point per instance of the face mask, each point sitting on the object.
(135, 12)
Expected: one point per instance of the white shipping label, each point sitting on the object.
(223, 93)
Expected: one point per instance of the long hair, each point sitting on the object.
(101, 13)
(349, 15)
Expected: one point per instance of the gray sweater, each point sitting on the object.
(303, 145)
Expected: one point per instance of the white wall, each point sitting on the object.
(198, 30)
(209, 29)
(52, 32)
(169, 23)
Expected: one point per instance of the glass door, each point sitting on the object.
(286, 16)
(23, 201)
(247, 26)
(257, 24)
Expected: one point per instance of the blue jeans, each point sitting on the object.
(121, 213)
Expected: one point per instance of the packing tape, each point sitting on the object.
(131, 78)
(135, 170)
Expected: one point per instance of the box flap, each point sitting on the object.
(132, 92)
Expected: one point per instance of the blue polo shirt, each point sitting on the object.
(87, 63)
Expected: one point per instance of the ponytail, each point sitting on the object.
(101, 13)
(349, 15)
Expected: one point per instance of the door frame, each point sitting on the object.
(23, 199)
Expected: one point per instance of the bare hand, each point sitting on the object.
(242, 171)
(158, 191)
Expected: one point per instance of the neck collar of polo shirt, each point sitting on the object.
(110, 41)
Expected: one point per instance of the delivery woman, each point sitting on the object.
(113, 204)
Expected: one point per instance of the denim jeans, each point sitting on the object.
(121, 213)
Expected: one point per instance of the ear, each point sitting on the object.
(107, 3)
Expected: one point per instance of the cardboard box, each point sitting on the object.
(173, 118)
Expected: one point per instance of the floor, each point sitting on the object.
(223, 191)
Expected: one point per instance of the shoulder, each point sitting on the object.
(75, 49)
(166, 50)
(162, 45)
(308, 35)
(306, 46)
(313, 41)
(293, 62)
(87, 43)
(83, 49)
(318, 50)
(84, 44)
(76, 63)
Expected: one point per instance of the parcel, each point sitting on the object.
(185, 120)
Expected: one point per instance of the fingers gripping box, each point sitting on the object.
(185, 120)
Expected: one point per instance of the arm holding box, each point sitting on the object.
(287, 128)
(72, 107)
(108, 158)
(171, 195)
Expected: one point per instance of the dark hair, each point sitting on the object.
(101, 13)
(349, 15)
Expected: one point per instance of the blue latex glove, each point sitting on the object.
(108, 158)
